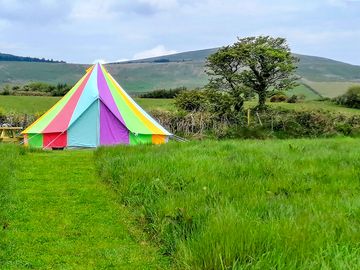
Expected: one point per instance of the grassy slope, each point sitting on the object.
(289, 204)
(21, 72)
(62, 217)
(332, 89)
(305, 91)
(185, 69)
(25, 104)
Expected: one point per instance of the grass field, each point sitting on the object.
(25, 104)
(60, 216)
(289, 204)
(30, 105)
(304, 91)
(332, 89)
(274, 204)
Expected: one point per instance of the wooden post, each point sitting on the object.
(248, 117)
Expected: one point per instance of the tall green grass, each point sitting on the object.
(290, 204)
(8, 162)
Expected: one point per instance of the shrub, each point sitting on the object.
(37, 89)
(351, 98)
(292, 99)
(191, 101)
(6, 90)
(221, 105)
(278, 123)
(164, 93)
(278, 98)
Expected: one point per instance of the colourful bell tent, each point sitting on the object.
(96, 111)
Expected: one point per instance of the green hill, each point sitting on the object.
(320, 75)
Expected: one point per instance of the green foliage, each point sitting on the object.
(220, 104)
(256, 63)
(5, 91)
(278, 98)
(243, 204)
(293, 99)
(272, 123)
(40, 89)
(351, 98)
(193, 100)
(164, 93)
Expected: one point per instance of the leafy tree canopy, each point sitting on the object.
(253, 65)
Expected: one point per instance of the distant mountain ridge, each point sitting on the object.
(11, 57)
(327, 77)
(310, 67)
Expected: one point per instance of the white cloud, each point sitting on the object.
(101, 61)
(121, 60)
(156, 51)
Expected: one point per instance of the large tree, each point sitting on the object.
(259, 64)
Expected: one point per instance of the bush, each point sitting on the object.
(292, 99)
(191, 101)
(273, 123)
(278, 98)
(221, 105)
(5, 91)
(351, 98)
(164, 93)
(37, 89)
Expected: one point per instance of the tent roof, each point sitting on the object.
(96, 84)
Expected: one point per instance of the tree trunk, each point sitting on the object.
(262, 100)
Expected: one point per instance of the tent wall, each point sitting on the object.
(33, 140)
(84, 132)
(140, 139)
(112, 131)
(159, 139)
(55, 140)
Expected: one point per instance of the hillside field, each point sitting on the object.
(328, 77)
(32, 105)
(273, 204)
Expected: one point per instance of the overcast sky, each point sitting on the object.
(82, 31)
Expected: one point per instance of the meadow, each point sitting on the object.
(286, 204)
(245, 204)
(57, 215)
(35, 104)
